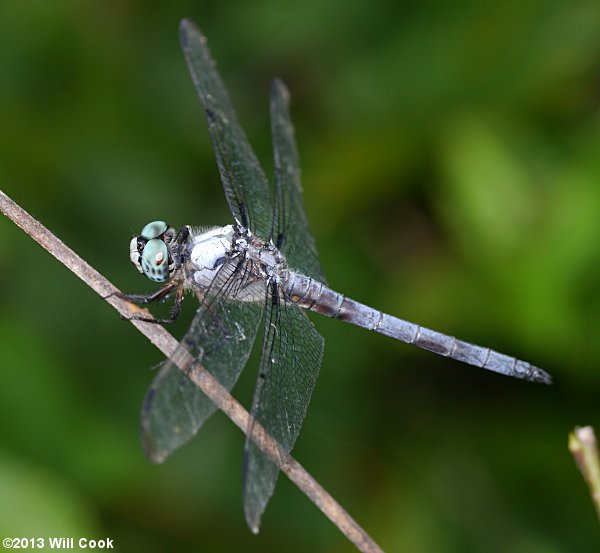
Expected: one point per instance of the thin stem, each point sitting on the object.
(201, 378)
(584, 448)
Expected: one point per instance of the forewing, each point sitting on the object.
(220, 338)
(290, 231)
(246, 186)
(291, 357)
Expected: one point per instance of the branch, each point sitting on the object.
(200, 377)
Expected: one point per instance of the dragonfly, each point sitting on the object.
(262, 266)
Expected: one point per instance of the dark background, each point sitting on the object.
(452, 177)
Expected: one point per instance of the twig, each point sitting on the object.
(584, 448)
(201, 378)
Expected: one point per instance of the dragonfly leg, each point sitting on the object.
(143, 299)
(161, 294)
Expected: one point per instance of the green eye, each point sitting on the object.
(153, 230)
(155, 260)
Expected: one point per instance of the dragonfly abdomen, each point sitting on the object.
(315, 296)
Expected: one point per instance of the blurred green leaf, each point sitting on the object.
(37, 503)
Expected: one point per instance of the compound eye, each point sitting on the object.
(155, 260)
(153, 230)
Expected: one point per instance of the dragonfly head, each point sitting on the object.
(150, 253)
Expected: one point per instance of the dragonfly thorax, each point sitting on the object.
(208, 251)
(268, 258)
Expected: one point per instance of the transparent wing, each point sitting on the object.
(246, 186)
(291, 358)
(290, 231)
(220, 338)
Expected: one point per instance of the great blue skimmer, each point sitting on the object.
(263, 265)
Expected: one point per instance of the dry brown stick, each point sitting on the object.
(202, 378)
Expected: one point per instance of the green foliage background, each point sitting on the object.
(452, 177)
